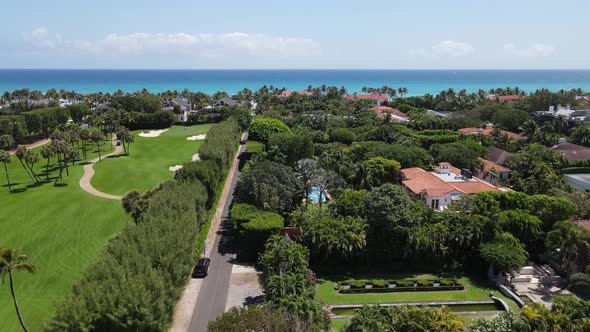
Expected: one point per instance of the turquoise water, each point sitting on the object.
(314, 195)
(418, 82)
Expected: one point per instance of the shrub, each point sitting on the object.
(425, 283)
(43, 121)
(262, 128)
(379, 283)
(342, 135)
(255, 227)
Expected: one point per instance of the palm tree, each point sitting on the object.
(567, 240)
(305, 169)
(11, 261)
(5, 159)
(560, 123)
(47, 153)
(530, 128)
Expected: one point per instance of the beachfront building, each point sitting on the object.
(489, 130)
(492, 172)
(375, 98)
(442, 186)
(396, 115)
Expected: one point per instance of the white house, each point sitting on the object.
(444, 185)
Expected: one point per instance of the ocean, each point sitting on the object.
(418, 82)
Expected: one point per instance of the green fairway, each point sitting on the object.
(148, 162)
(61, 228)
(473, 291)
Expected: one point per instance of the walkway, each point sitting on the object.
(204, 299)
(33, 145)
(89, 173)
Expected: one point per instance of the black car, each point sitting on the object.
(201, 268)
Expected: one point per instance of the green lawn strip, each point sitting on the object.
(474, 291)
(62, 228)
(148, 162)
(254, 147)
(338, 324)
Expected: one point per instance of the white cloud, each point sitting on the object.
(204, 44)
(452, 48)
(446, 48)
(535, 50)
(40, 38)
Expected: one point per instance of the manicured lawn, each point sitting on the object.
(254, 147)
(148, 162)
(338, 324)
(474, 290)
(61, 228)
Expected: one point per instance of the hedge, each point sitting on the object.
(262, 128)
(43, 121)
(255, 227)
(14, 126)
(402, 285)
(156, 120)
(135, 283)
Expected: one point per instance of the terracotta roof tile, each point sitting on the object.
(488, 165)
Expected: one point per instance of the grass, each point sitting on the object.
(62, 228)
(474, 290)
(254, 147)
(148, 161)
(338, 324)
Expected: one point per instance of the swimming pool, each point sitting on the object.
(314, 195)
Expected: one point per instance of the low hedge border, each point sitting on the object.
(400, 289)
(402, 285)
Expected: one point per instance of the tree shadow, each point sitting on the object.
(249, 300)
(18, 190)
(59, 185)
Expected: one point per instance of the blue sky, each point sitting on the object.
(418, 34)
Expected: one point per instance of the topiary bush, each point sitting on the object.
(262, 128)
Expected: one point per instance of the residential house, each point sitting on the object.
(492, 172)
(497, 155)
(396, 115)
(180, 106)
(488, 130)
(226, 102)
(375, 98)
(444, 185)
(571, 152)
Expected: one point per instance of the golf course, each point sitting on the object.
(148, 161)
(62, 228)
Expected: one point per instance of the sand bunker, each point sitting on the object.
(195, 138)
(152, 133)
(196, 157)
(174, 168)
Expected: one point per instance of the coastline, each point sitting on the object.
(418, 82)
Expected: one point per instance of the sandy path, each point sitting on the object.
(33, 145)
(89, 173)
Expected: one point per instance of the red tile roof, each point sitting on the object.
(387, 109)
(488, 165)
(488, 132)
(584, 223)
(373, 97)
(419, 181)
(572, 151)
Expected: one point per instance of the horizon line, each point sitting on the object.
(315, 69)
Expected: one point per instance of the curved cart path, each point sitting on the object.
(89, 173)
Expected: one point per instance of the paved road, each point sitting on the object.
(214, 289)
